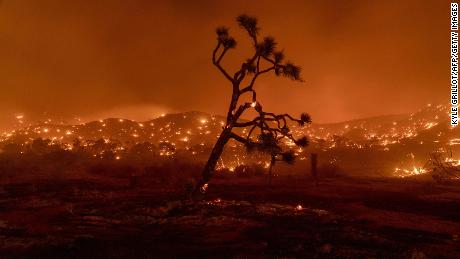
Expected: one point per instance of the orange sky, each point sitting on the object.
(140, 58)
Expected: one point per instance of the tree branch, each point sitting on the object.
(241, 109)
(246, 124)
(241, 139)
(216, 62)
(251, 84)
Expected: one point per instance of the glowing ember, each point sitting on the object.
(452, 161)
(204, 188)
(429, 125)
(454, 141)
(400, 172)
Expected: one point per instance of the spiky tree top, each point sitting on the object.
(269, 127)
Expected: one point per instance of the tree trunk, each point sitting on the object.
(270, 172)
(210, 166)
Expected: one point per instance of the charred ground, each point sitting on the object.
(89, 214)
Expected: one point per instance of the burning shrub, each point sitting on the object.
(443, 167)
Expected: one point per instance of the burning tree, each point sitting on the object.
(270, 128)
(443, 167)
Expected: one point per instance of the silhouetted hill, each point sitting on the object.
(430, 124)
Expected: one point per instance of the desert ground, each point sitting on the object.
(99, 216)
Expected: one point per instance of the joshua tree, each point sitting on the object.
(270, 127)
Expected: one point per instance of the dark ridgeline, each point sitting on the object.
(271, 127)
